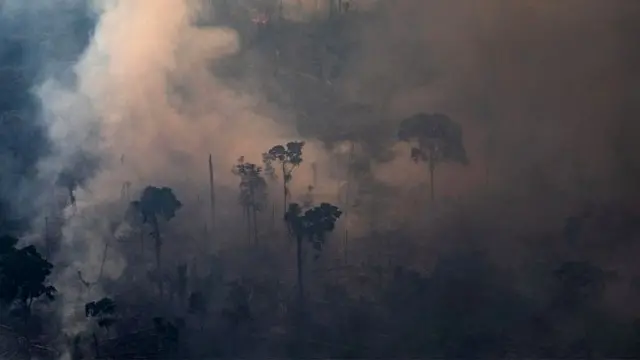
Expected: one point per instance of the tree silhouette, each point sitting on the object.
(156, 203)
(103, 310)
(313, 225)
(23, 275)
(289, 157)
(253, 193)
(435, 139)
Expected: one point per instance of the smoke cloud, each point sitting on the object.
(543, 90)
(144, 107)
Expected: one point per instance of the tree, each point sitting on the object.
(23, 276)
(313, 225)
(156, 203)
(253, 193)
(435, 139)
(103, 311)
(290, 158)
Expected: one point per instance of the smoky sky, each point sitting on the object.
(546, 91)
(37, 42)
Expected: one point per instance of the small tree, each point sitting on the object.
(252, 192)
(435, 139)
(103, 312)
(313, 225)
(23, 276)
(290, 158)
(153, 204)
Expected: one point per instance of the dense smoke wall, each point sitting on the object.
(544, 90)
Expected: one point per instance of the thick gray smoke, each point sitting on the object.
(141, 106)
(545, 92)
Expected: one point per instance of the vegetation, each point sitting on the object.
(253, 194)
(157, 204)
(23, 277)
(436, 139)
(289, 157)
(313, 225)
(154, 204)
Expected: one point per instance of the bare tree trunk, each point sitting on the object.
(158, 246)
(301, 311)
(247, 216)
(299, 270)
(347, 205)
(212, 196)
(432, 168)
(158, 243)
(255, 224)
(96, 346)
(273, 217)
(285, 192)
(254, 213)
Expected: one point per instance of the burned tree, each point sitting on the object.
(102, 311)
(252, 193)
(435, 139)
(289, 157)
(313, 225)
(154, 204)
(23, 276)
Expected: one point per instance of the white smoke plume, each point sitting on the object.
(146, 103)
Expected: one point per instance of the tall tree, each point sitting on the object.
(252, 192)
(103, 312)
(156, 203)
(23, 276)
(313, 225)
(435, 139)
(290, 157)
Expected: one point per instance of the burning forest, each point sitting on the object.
(318, 178)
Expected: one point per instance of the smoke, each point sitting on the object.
(144, 107)
(542, 89)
